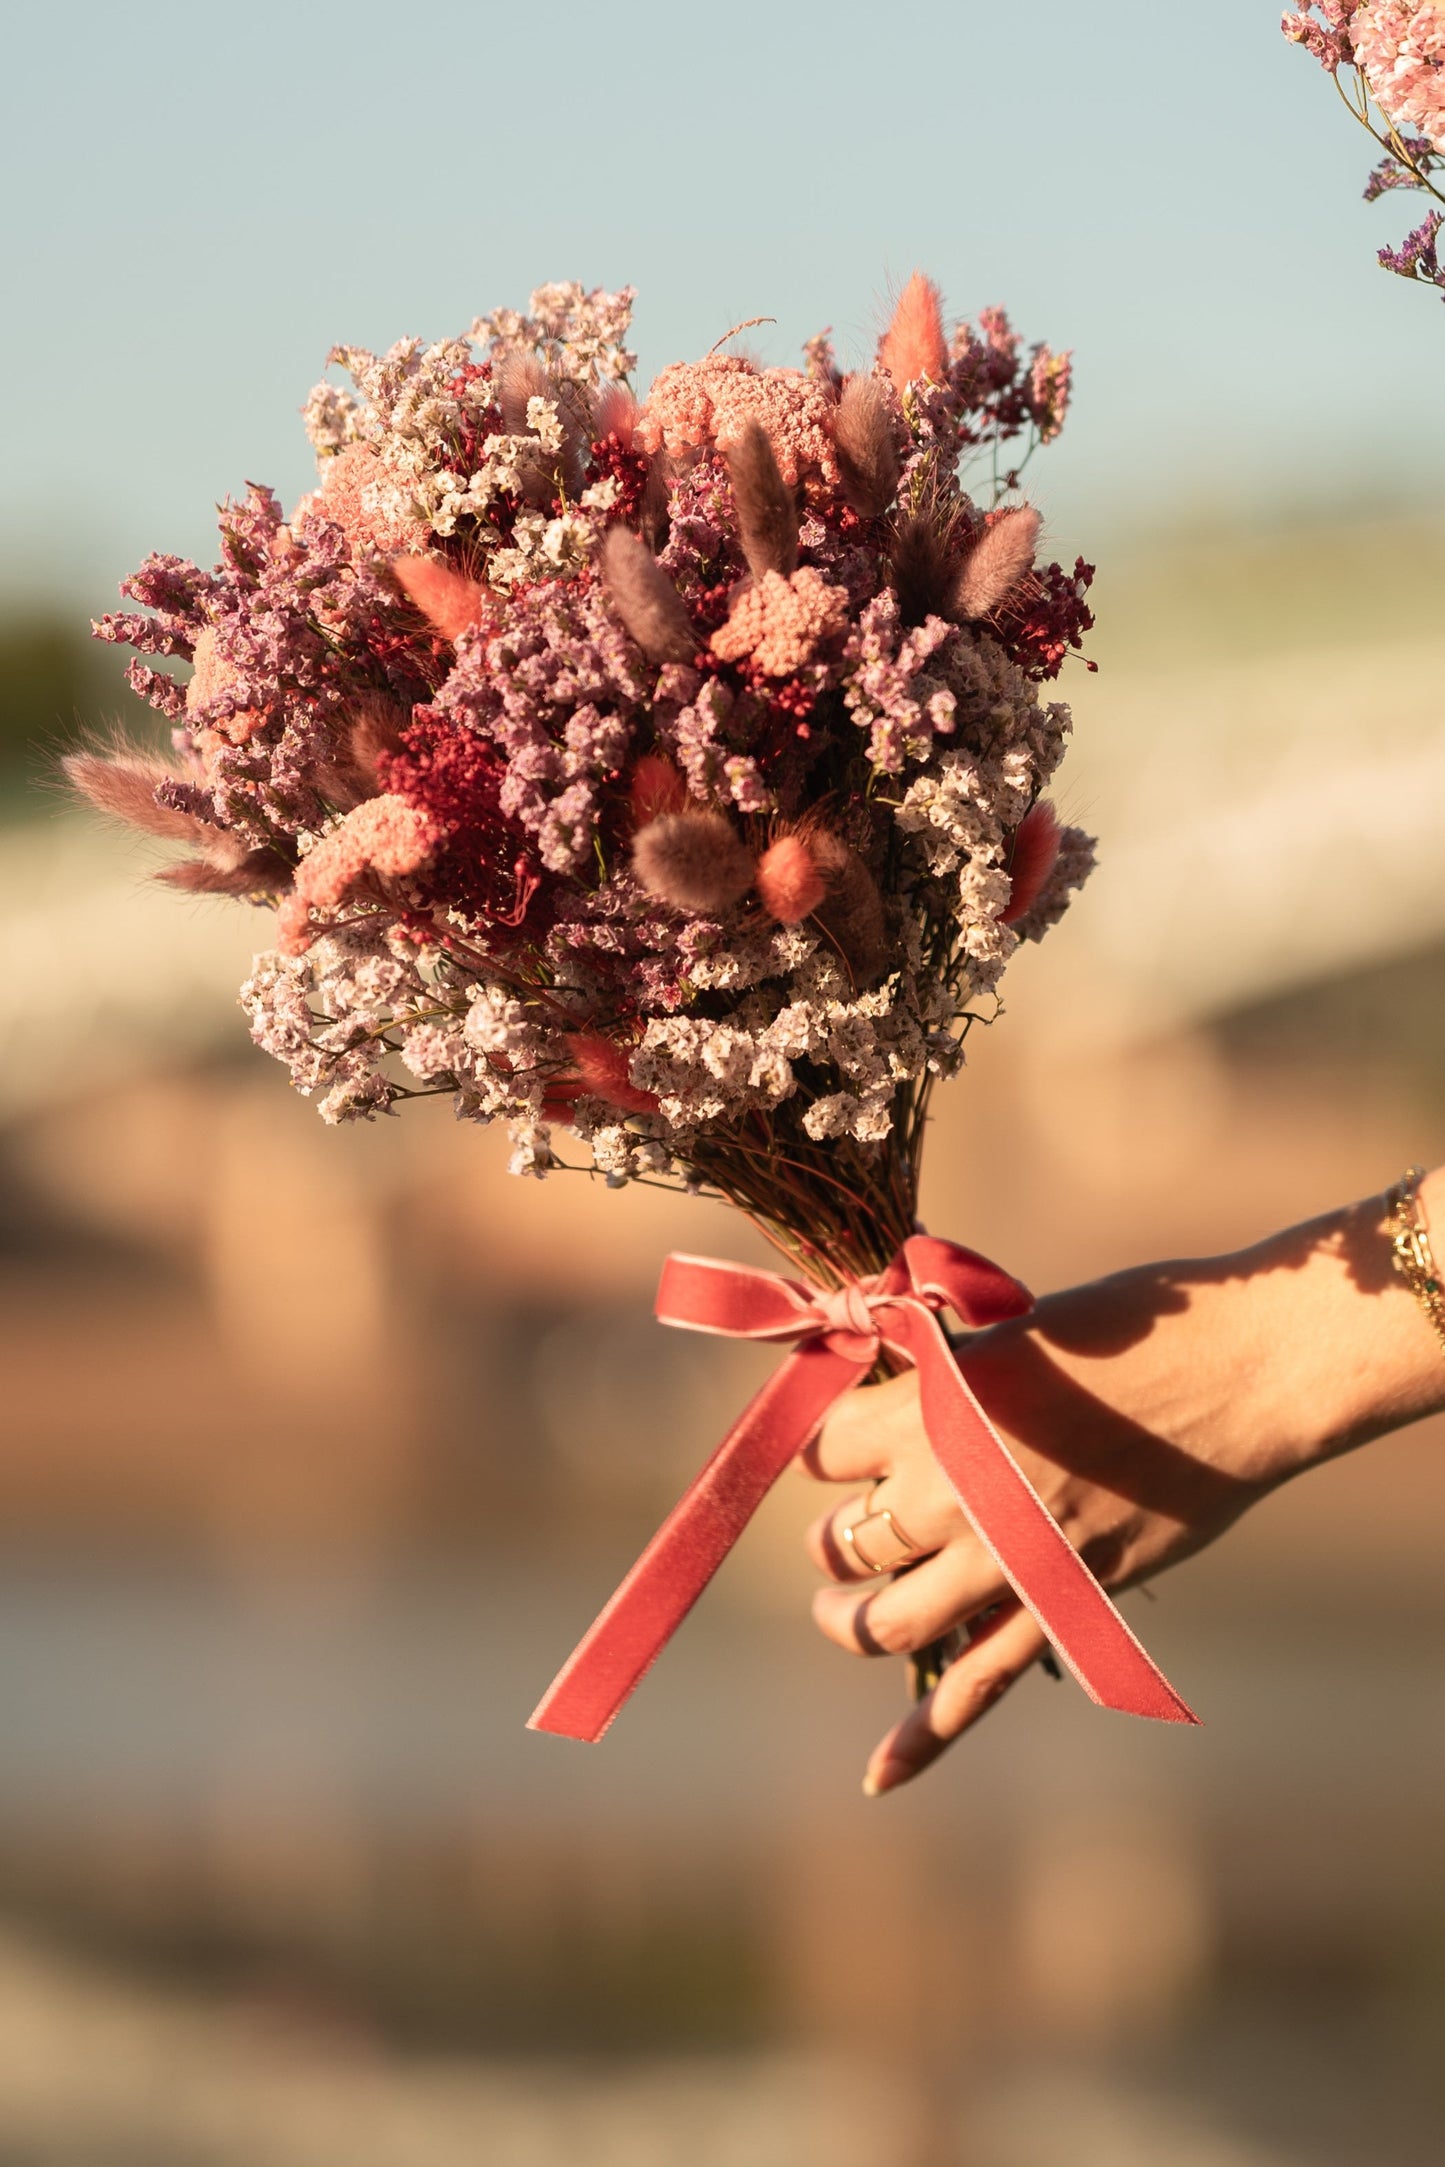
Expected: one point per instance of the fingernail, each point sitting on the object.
(885, 1777)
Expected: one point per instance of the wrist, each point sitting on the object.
(1334, 1347)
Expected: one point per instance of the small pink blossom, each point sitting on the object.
(779, 624)
(1401, 49)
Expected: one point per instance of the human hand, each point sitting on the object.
(1148, 1410)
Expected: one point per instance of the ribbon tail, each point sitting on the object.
(1031, 1550)
(631, 1632)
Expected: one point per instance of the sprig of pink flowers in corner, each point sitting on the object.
(1387, 59)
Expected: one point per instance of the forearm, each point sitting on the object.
(1269, 1360)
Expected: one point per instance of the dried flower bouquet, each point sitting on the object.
(669, 771)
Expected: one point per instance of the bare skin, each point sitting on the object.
(1149, 1410)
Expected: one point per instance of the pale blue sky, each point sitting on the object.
(201, 199)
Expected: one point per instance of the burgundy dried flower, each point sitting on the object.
(655, 787)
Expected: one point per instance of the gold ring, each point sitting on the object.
(886, 1522)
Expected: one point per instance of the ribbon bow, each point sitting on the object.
(837, 1338)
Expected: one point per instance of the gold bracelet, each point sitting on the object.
(1410, 1249)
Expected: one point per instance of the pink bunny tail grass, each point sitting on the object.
(693, 860)
(256, 872)
(655, 787)
(615, 415)
(767, 510)
(1035, 853)
(449, 601)
(646, 600)
(851, 914)
(123, 783)
(913, 346)
(601, 1069)
(865, 437)
(1001, 557)
(790, 886)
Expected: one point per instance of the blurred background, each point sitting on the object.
(320, 1448)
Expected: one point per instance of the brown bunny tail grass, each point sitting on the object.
(999, 559)
(767, 509)
(852, 912)
(693, 860)
(646, 600)
(865, 437)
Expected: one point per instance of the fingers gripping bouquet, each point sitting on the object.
(669, 772)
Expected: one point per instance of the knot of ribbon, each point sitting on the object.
(836, 1338)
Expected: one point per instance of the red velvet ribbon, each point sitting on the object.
(837, 1341)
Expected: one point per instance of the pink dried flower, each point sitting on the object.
(600, 1070)
(1051, 378)
(913, 347)
(211, 677)
(616, 415)
(353, 494)
(1329, 39)
(1401, 48)
(779, 624)
(383, 835)
(694, 860)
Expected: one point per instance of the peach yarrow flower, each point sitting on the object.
(779, 624)
(697, 405)
(382, 835)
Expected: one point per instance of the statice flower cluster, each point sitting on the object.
(1387, 58)
(666, 770)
